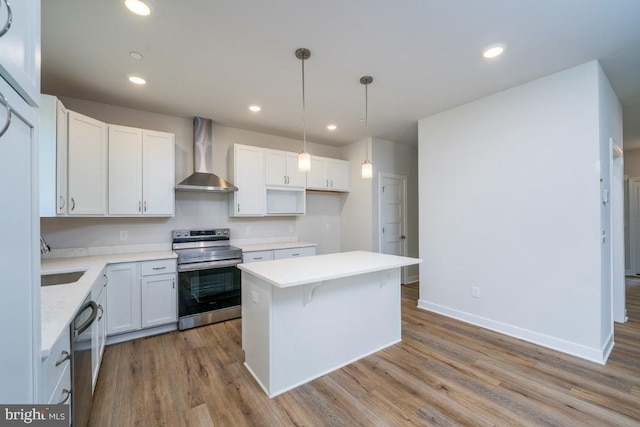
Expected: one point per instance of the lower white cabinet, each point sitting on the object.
(123, 298)
(258, 256)
(99, 329)
(141, 295)
(56, 372)
(159, 300)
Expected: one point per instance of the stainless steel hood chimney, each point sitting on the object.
(203, 179)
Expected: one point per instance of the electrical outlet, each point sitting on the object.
(475, 292)
(247, 229)
(123, 235)
(254, 297)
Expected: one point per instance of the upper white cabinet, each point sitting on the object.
(53, 156)
(247, 170)
(20, 47)
(328, 174)
(87, 167)
(141, 172)
(281, 168)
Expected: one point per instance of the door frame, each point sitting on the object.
(381, 177)
(616, 227)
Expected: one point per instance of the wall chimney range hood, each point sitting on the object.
(203, 179)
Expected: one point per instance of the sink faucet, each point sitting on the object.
(44, 246)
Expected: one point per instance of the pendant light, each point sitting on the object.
(367, 167)
(304, 159)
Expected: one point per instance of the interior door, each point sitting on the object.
(393, 220)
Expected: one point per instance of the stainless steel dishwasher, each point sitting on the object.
(81, 393)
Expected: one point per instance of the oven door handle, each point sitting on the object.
(207, 265)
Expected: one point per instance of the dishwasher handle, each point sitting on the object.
(87, 323)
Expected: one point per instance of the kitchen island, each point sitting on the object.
(305, 317)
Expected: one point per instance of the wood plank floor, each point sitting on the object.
(444, 373)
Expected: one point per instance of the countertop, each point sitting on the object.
(59, 303)
(285, 273)
(272, 246)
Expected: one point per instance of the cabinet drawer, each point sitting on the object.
(257, 256)
(294, 252)
(163, 266)
(60, 353)
(61, 394)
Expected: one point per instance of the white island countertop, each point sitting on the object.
(59, 303)
(285, 273)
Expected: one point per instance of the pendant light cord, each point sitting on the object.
(366, 118)
(304, 123)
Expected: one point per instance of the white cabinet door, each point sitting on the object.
(295, 178)
(275, 168)
(125, 170)
(159, 300)
(339, 175)
(281, 169)
(99, 328)
(317, 178)
(20, 266)
(20, 47)
(53, 157)
(123, 298)
(247, 166)
(87, 168)
(158, 180)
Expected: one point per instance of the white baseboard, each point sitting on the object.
(114, 339)
(597, 355)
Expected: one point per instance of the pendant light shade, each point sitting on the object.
(367, 167)
(304, 159)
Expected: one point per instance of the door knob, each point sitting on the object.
(403, 237)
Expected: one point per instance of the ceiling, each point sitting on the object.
(214, 58)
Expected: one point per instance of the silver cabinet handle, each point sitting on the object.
(159, 268)
(238, 207)
(101, 312)
(65, 356)
(106, 280)
(67, 393)
(140, 206)
(258, 257)
(8, 24)
(173, 283)
(145, 206)
(62, 203)
(4, 102)
(73, 204)
(327, 183)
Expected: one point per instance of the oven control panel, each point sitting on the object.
(210, 234)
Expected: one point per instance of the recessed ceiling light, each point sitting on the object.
(493, 51)
(255, 108)
(138, 7)
(332, 127)
(135, 55)
(137, 80)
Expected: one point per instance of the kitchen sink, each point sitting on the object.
(60, 278)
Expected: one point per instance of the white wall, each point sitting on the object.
(509, 189)
(357, 208)
(197, 210)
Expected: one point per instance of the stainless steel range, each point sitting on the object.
(208, 277)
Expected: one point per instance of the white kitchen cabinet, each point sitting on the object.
(20, 47)
(159, 299)
(141, 295)
(20, 267)
(247, 170)
(281, 169)
(56, 371)
(141, 172)
(274, 254)
(257, 256)
(53, 156)
(99, 328)
(87, 167)
(123, 298)
(328, 174)
(294, 252)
